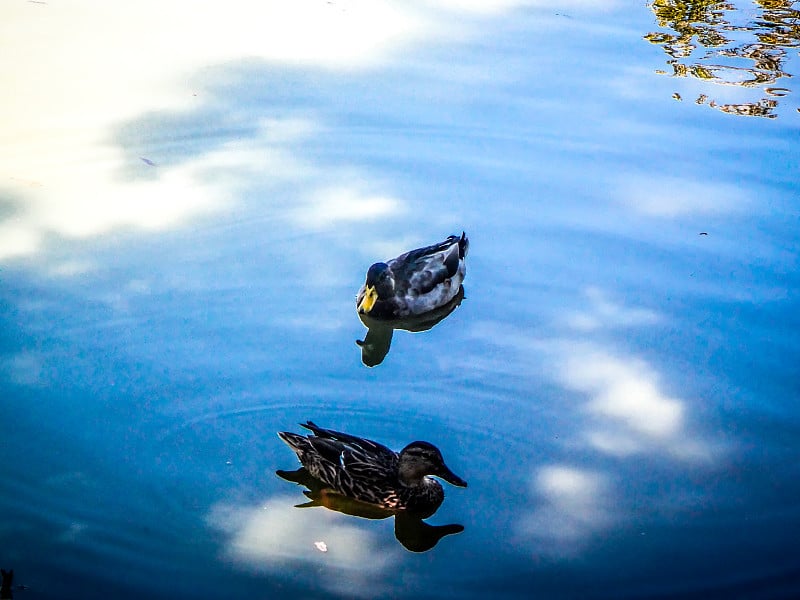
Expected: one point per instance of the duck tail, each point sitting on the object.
(463, 245)
(313, 427)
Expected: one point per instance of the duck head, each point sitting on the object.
(419, 459)
(379, 286)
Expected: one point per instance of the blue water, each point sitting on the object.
(619, 386)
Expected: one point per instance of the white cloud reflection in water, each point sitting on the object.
(272, 537)
(573, 503)
(331, 206)
(82, 69)
(605, 313)
(623, 413)
(628, 408)
(666, 197)
(25, 368)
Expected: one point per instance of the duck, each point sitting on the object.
(376, 344)
(415, 282)
(370, 472)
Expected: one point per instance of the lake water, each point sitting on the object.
(191, 196)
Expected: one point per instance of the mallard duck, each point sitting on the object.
(375, 346)
(415, 282)
(372, 473)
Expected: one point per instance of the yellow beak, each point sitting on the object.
(369, 299)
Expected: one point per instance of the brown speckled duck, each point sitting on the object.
(372, 473)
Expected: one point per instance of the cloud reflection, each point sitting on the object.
(622, 409)
(606, 313)
(25, 368)
(58, 162)
(275, 536)
(574, 504)
(330, 206)
(674, 197)
(625, 391)
(630, 412)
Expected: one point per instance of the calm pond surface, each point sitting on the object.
(190, 198)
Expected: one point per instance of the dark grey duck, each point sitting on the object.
(416, 282)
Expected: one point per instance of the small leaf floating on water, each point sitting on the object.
(147, 161)
(321, 546)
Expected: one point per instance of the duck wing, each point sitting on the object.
(361, 447)
(420, 271)
(354, 466)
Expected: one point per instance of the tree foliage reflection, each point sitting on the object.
(713, 41)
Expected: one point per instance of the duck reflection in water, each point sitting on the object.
(360, 477)
(410, 530)
(375, 346)
(414, 292)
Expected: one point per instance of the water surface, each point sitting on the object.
(189, 207)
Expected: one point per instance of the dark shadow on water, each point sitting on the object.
(409, 528)
(376, 344)
(8, 581)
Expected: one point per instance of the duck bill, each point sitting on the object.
(452, 478)
(368, 301)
